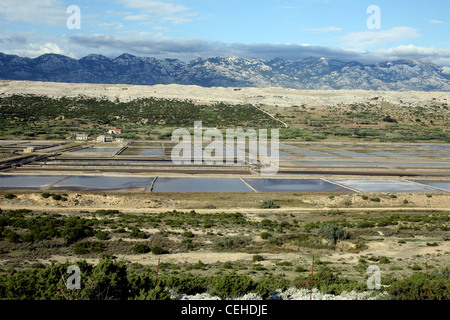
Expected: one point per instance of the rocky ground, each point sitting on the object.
(264, 96)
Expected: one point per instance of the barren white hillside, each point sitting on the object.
(265, 96)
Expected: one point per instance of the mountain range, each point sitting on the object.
(309, 73)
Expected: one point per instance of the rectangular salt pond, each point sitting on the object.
(143, 152)
(312, 153)
(355, 154)
(287, 185)
(389, 185)
(27, 181)
(104, 182)
(96, 150)
(369, 164)
(200, 185)
(438, 184)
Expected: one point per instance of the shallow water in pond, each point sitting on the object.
(306, 185)
(96, 150)
(439, 184)
(104, 183)
(388, 185)
(143, 152)
(200, 185)
(27, 181)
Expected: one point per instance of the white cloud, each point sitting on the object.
(47, 12)
(166, 11)
(33, 50)
(436, 21)
(380, 37)
(138, 17)
(326, 29)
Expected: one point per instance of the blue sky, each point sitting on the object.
(185, 30)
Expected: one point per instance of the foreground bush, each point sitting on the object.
(416, 288)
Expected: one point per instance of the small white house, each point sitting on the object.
(81, 137)
(104, 139)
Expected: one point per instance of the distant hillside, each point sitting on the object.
(310, 73)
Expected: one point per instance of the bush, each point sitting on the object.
(405, 201)
(301, 269)
(88, 247)
(10, 196)
(384, 260)
(376, 199)
(365, 224)
(141, 248)
(257, 258)
(231, 242)
(415, 287)
(187, 234)
(136, 233)
(268, 204)
(45, 195)
(56, 197)
(102, 235)
(157, 250)
(265, 235)
(364, 197)
(231, 285)
(333, 233)
(416, 267)
(189, 244)
(107, 212)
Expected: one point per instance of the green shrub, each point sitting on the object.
(416, 267)
(301, 269)
(45, 195)
(157, 250)
(107, 212)
(365, 224)
(415, 287)
(141, 248)
(257, 258)
(231, 242)
(384, 260)
(333, 233)
(364, 197)
(136, 233)
(88, 247)
(10, 196)
(268, 204)
(102, 235)
(376, 199)
(405, 201)
(187, 234)
(189, 244)
(284, 263)
(265, 235)
(56, 197)
(231, 285)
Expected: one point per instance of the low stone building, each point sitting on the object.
(81, 137)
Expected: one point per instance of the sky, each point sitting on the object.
(360, 30)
